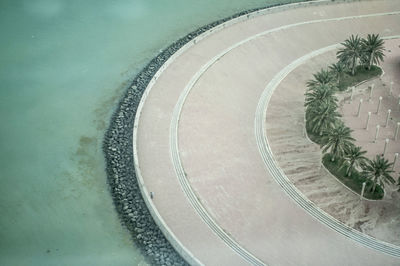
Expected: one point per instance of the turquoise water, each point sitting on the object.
(63, 67)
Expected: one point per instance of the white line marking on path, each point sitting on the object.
(283, 180)
(174, 148)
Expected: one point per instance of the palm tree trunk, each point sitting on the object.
(333, 156)
(353, 69)
(374, 187)
(334, 152)
(349, 169)
(370, 60)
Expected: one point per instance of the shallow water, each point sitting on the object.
(63, 66)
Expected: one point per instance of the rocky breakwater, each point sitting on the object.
(118, 150)
(124, 187)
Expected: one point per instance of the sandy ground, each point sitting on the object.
(218, 148)
(300, 158)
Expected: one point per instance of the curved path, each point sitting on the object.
(285, 183)
(212, 189)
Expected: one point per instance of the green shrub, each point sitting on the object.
(354, 181)
(361, 74)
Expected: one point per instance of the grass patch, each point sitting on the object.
(354, 181)
(338, 167)
(361, 74)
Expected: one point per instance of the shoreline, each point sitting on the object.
(118, 151)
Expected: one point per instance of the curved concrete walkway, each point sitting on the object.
(198, 154)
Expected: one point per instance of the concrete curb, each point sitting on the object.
(164, 228)
(186, 254)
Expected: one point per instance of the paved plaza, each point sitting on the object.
(218, 133)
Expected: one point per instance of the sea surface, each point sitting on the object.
(63, 67)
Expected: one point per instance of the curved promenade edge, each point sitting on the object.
(153, 74)
(185, 253)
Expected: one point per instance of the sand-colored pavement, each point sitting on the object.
(197, 128)
(300, 159)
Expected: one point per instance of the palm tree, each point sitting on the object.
(355, 156)
(337, 139)
(337, 70)
(378, 171)
(373, 48)
(351, 52)
(322, 117)
(317, 94)
(322, 77)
